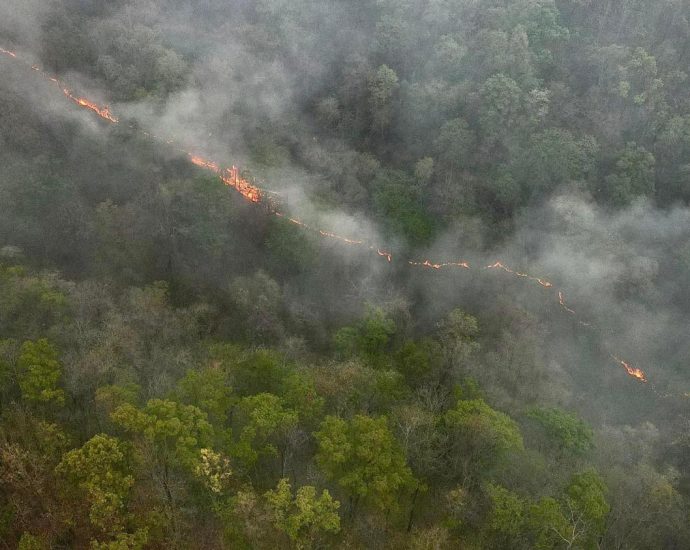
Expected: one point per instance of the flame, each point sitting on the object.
(430, 265)
(384, 254)
(339, 237)
(203, 163)
(231, 177)
(561, 301)
(103, 112)
(499, 265)
(635, 373)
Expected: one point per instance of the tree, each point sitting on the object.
(400, 203)
(382, 86)
(555, 157)
(566, 432)
(261, 371)
(176, 431)
(455, 146)
(170, 440)
(209, 390)
(585, 509)
(258, 300)
(363, 457)
(632, 177)
(369, 339)
(502, 107)
(424, 170)
(291, 250)
(305, 517)
(418, 361)
(505, 523)
(479, 437)
(267, 430)
(456, 334)
(547, 525)
(100, 470)
(39, 373)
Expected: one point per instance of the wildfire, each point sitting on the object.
(232, 178)
(428, 264)
(339, 237)
(103, 112)
(499, 265)
(203, 163)
(635, 373)
(384, 254)
(561, 300)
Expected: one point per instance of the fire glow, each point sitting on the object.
(429, 265)
(499, 265)
(232, 178)
(635, 373)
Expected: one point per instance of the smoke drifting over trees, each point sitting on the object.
(182, 369)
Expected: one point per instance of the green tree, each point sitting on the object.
(100, 469)
(555, 157)
(479, 438)
(566, 432)
(175, 431)
(547, 525)
(170, 438)
(369, 339)
(259, 302)
(304, 517)
(362, 456)
(400, 204)
(457, 335)
(502, 107)
(506, 520)
(209, 390)
(39, 372)
(266, 431)
(632, 177)
(382, 87)
(586, 509)
(418, 361)
(291, 250)
(455, 146)
(261, 371)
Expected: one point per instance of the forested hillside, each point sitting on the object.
(454, 314)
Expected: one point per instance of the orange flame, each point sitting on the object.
(635, 373)
(103, 112)
(339, 237)
(231, 177)
(499, 265)
(430, 265)
(203, 163)
(561, 300)
(384, 254)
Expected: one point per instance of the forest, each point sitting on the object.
(454, 314)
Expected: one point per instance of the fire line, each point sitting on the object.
(231, 177)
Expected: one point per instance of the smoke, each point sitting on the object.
(232, 99)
